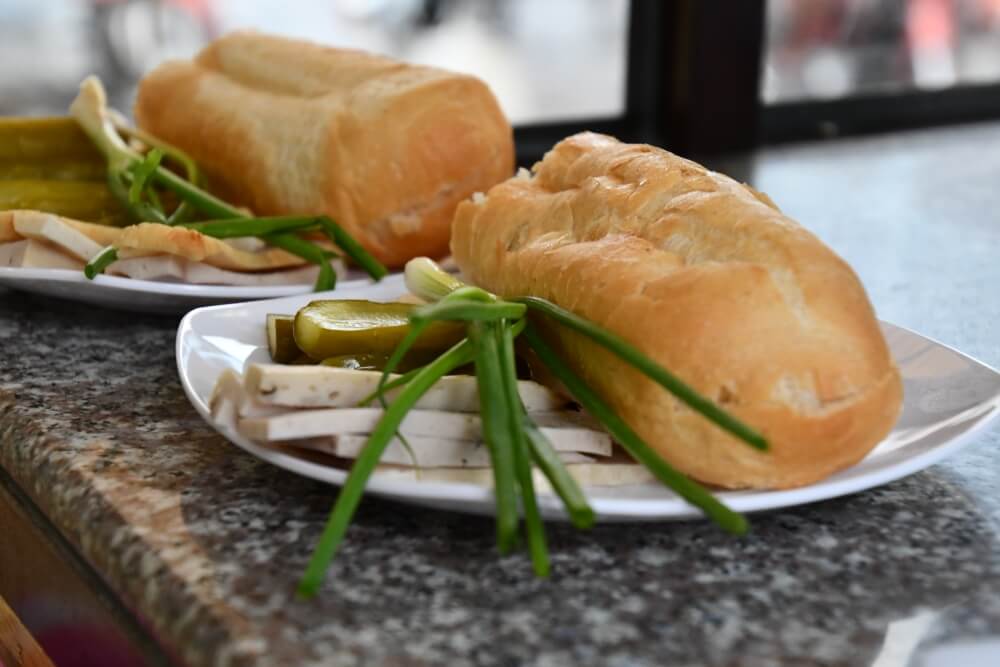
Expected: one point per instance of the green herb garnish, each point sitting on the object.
(513, 440)
(100, 261)
(354, 486)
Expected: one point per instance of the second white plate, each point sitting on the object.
(147, 296)
(948, 398)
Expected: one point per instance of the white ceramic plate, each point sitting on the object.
(146, 296)
(948, 397)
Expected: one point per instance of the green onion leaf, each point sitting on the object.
(100, 262)
(364, 465)
(416, 329)
(522, 455)
(141, 174)
(630, 354)
(205, 202)
(686, 488)
(496, 431)
(398, 381)
(169, 150)
(428, 280)
(184, 210)
(354, 250)
(327, 278)
(119, 185)
(289, 242)
(463, 348)
(155, 203)
(467, 310)
(580, 513)
(241, 227)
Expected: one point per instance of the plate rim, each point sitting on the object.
(238, 293)
(608, 510)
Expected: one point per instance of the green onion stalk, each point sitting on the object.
(516, 445)
(132, 178)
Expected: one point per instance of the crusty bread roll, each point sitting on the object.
(282, 126)
(710, 279)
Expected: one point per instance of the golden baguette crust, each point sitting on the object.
(710, 279)
(283, 126)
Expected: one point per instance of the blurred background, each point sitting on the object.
(547, 61)
(836, 48)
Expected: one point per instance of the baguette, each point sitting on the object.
(710, 279)
(282, 126)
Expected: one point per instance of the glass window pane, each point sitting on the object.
(546, 61)
(826, 49)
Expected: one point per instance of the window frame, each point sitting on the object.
(668, 98)
(878, 112)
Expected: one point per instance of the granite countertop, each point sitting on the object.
(204, 543)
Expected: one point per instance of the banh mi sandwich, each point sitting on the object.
(707, 277)
(148, 251)
(283, 126)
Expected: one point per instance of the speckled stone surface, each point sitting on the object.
(206, 543)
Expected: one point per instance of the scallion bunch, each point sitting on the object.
(134, 178)
(514, 441)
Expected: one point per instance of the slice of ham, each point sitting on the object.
(143, 251)
(51, 229)
(173, 268)
(564, 431)
(328, 387)
(423, 451)
(32, 254)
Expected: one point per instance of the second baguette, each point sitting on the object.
(284, 127)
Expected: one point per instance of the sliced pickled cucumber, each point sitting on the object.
(281, 340)
(57, 170)
(80, 200)
(50, 165)
(326, 329)
(46, 140)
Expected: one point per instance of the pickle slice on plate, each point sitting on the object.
(50, 165)
(47, 141)
(325, 329)
(281, 340)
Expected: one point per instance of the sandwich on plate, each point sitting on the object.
(310, 155)
(622, 316)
